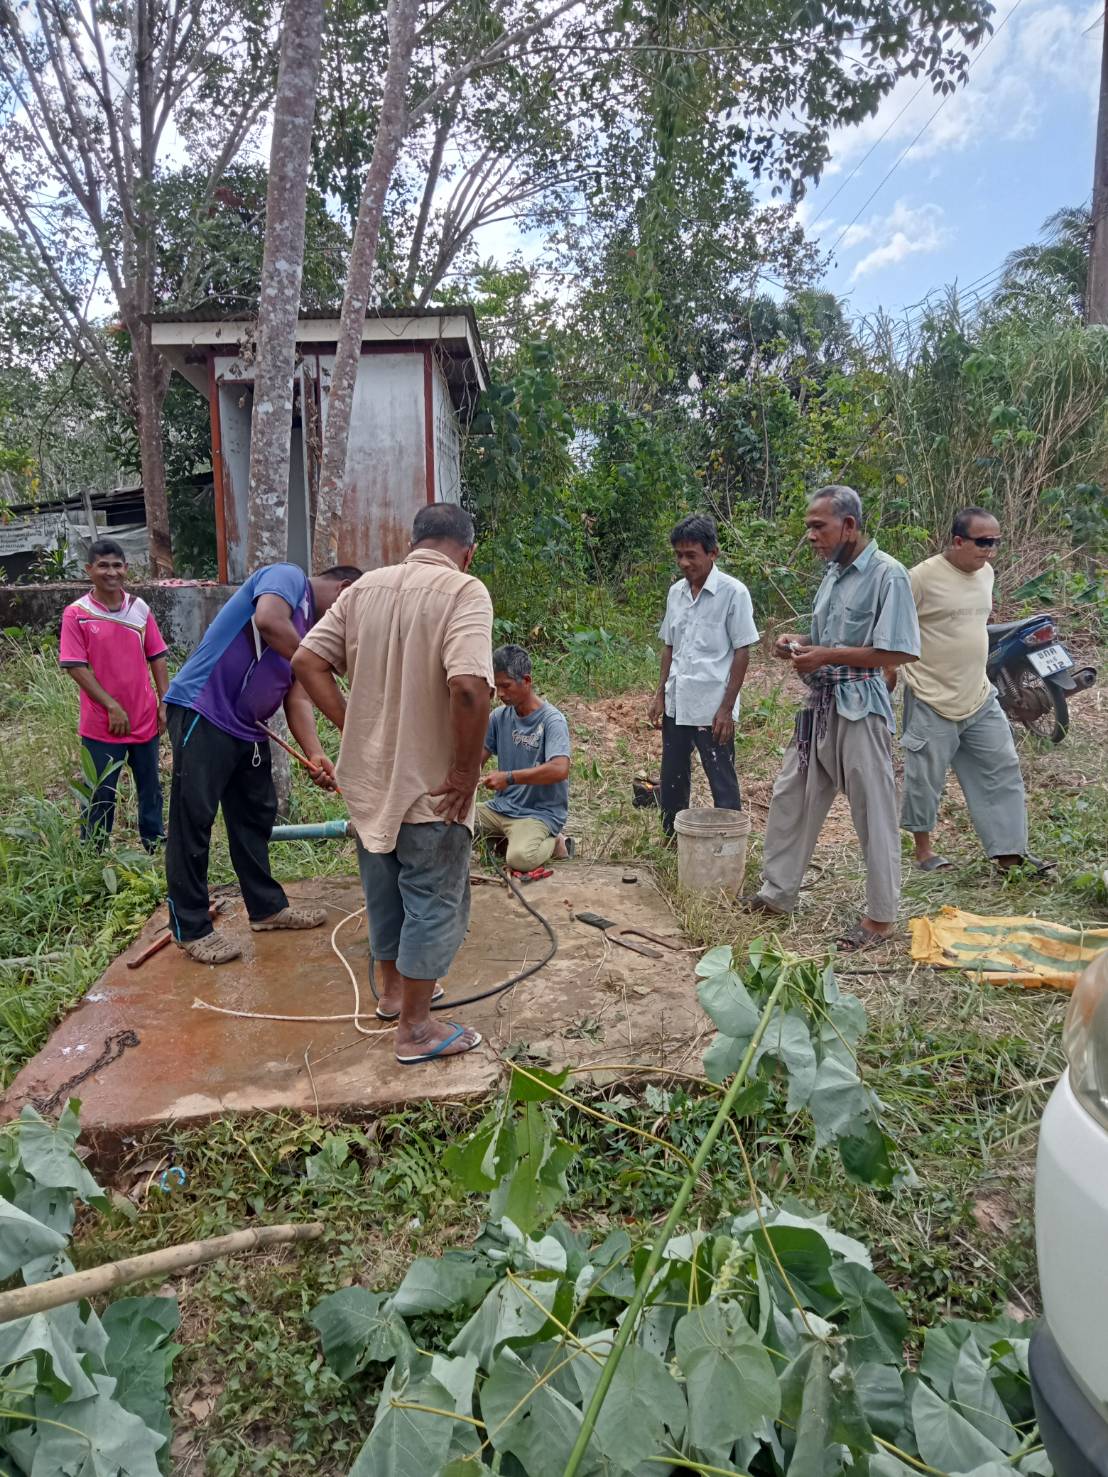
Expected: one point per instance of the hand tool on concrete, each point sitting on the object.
(626, 936)
(289, 749)
(165, 938)
(535, 875)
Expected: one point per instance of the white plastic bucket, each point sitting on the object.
(711, 849)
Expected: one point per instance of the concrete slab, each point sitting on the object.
(595, 1003)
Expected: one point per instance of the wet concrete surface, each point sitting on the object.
(596, 1003)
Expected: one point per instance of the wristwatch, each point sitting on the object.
(511, 776)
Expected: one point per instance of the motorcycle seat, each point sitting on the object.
(1006, 626)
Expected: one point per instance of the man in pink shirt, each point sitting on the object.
(111, 646)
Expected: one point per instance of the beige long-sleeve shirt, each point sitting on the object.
(400, 634)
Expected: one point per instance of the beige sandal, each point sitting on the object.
(292, 918)
(213, 948)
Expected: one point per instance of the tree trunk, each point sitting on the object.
(391, 128)
(149, 396)
(1096, 293)
(282, 269)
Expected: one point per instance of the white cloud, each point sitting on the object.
(906, 231)
(1046, 47)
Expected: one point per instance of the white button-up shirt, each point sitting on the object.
(705, 633)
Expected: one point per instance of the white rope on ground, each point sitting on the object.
(257, 1015)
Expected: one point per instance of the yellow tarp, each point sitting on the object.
(1025, 951)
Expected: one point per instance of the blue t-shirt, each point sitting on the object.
(522, 743)
(233, 677)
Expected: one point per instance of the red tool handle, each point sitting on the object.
(296, 754)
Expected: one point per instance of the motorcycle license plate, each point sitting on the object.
(1050, 659)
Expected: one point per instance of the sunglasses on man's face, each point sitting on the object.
(985, 543)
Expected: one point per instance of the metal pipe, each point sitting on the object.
(314, 831)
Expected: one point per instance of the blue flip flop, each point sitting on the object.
(436, 1004)
(429, 1056)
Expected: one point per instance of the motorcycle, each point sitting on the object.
(1033, 674)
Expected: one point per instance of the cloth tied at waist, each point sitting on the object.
(811, 720)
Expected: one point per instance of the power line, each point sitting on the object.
(942, 104)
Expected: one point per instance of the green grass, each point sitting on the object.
(963, 1069)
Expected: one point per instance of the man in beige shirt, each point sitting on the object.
(951, 714)
(415, 641)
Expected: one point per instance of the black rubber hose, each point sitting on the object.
(516, 979)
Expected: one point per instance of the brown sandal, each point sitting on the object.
(213, 948)
(292, 918)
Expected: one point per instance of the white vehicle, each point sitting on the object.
(1069, 1350)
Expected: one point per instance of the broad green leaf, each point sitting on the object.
(537, 1182)
(819, 1399)
(725, 998)
(524, 1088)
(806, 1259)
(93, 1438)
(729, 1376)
(865, 1156)
(61, 1368)
(946, 1439)
(537, 1426)
(715, 961)
(140, 1355)
(478, 1160)
(643, 1400)
(840, 1103)
(881, 1393)
(457, 1279)
(507, 1315)
(875, 1320)
(788, 1041)
(456, 1376)
(975, 1397)
(357, 1327)
(22, 1238)
(723, 1056)
(404, 1442)
(941, 1347)
(806, 1396)
(843, 1246)
(48, 1153)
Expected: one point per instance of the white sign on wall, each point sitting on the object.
(41, 531)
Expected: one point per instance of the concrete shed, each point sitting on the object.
(421, 372)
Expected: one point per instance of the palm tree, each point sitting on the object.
(1059, 260)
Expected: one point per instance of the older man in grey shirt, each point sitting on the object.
(863, 623)
(707, 633)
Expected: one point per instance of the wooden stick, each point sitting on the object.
(312, 769)
(21, 1301)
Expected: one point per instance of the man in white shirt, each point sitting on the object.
(952, 718)
(708, 631)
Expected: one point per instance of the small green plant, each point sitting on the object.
(79, 1394)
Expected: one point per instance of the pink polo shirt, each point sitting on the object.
(118, 645)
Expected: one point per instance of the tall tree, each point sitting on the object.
(815, 68)
(94, 92)
(282, 270)
(1096, 298)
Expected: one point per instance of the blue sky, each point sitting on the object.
(1007, 150)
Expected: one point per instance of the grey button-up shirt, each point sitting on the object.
(705, 634)
(869, 603)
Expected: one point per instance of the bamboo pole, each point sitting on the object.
(21, 1301)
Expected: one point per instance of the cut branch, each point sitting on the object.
(20, 1302)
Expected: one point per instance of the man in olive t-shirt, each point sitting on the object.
(951, 713)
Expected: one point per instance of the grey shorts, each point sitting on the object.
(417, 898)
